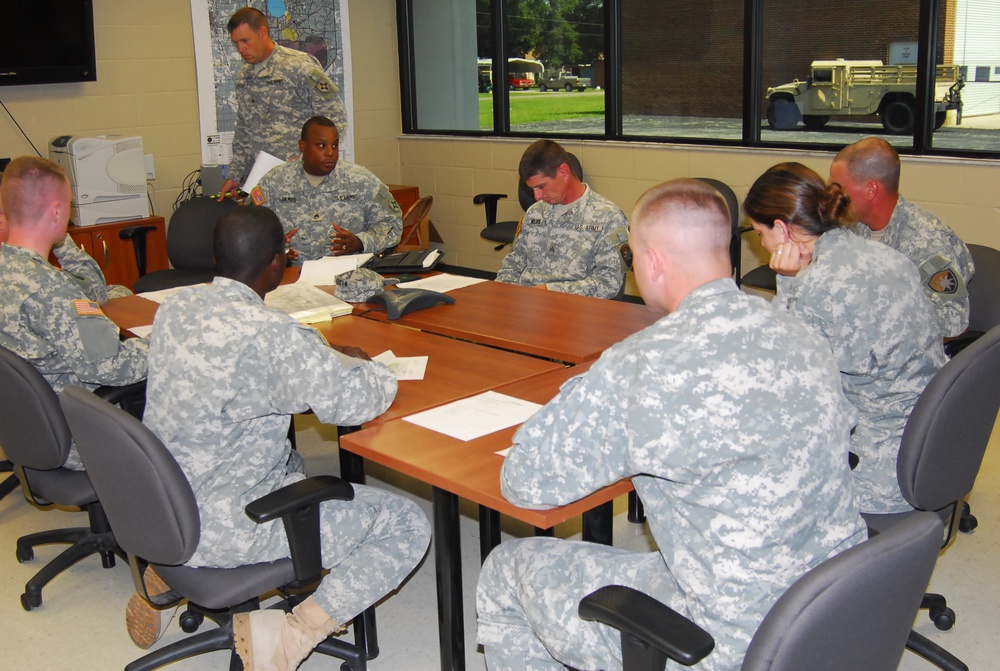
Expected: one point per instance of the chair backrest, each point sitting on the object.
(189, 235)
(33, 430)
(854, 611)
(412, 221)
(734, 219)
(984, 289)
(146, 496)
(950, 426)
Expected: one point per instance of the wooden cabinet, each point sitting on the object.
(116, 256)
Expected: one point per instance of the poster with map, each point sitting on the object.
(317, 27)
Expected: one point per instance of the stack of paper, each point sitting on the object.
(307, 303)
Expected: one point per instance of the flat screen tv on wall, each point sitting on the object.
(47, 42)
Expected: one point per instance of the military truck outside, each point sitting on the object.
(857, 88)
(563, 80)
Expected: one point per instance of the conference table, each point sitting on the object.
(538, 322)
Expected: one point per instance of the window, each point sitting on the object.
(728, 72)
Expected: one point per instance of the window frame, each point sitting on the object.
(753, 29)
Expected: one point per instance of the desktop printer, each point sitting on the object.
(108, 176)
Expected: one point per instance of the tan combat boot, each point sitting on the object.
(271, 640)
(146, 624)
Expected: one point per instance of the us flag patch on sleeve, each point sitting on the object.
(257, 196)
(84, 308)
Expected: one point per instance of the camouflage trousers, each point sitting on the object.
(528, 594)
(370, 545)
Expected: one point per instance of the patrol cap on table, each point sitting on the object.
(357, 286)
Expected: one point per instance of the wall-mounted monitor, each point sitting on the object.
(47, 42)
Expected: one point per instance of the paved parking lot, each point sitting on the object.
(975, 134)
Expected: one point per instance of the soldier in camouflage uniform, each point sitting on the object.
(730, 420)
(276, 91)
(225, 374)
(52, 318)
(336, 207)
(868, 171)
(570, 240)
(864, 299)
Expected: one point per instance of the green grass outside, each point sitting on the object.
(534, 106)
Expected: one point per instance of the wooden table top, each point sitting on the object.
(455, 369)
(559, 326)
(471, 469)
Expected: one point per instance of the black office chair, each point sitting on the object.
(733, 203)
(36, 439)
(984, 298)
(939, 458)
(11, 482)
(155, 517)
(504, 232)
(189, 245)
(853, 611)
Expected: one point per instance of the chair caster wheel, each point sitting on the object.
(29, 602)
(967, 523)
(944, 620)
(191, 621)
(24, 554)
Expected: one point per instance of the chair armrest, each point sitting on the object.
(297, 505)
(130, 397)
(490, 201)
(645, 622)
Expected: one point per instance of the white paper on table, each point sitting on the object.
(505, 451)
(141, 331)
(443, 283)
(325, 270)
(161, 295)
(404, 368)
(477, 416)
(262, 165)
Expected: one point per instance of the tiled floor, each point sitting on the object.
(80, 624)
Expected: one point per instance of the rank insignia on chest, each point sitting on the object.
(316, 216)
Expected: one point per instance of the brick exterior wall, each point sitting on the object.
(685, 57)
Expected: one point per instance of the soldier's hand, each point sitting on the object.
(290, 253)
(351, 351)
(789, 258)
(344, 242)
(229, 188)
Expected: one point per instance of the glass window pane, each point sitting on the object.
(447, 75)
(555, 74)
(836, 86)
(682, 68)
(970, 31)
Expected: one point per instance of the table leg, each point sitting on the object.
(636, 514)
(598, 524)
(352, 467)
(489, 531)
(448, 566)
